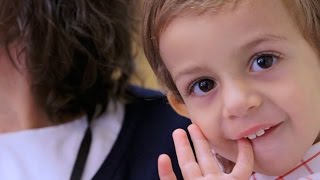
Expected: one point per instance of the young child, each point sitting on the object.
(67, 109)
(247, 73)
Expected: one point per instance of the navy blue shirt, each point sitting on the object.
(146, 133)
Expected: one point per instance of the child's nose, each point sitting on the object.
(239, 98)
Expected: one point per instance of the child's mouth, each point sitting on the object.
(261, 132)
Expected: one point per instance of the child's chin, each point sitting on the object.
(273, 169)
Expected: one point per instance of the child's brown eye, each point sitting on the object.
(263, 62)
(203, 86)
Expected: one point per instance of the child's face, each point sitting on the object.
(244, 71)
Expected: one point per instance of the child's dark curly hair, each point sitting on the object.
(78, 52)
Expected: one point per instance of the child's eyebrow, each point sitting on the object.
(187, 71)
(263, 38)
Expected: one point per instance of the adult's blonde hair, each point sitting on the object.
(159, 13)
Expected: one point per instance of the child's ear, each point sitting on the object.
(177, 105)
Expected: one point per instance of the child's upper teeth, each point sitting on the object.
(260, 132)
(252, 136)
(257, 134)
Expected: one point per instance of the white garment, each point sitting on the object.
(49, 153)
(308, 168)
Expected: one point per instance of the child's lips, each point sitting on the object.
(256, 131)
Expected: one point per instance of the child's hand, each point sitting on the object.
(207, 166)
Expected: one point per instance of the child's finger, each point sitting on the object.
(245, 160)
(188, 165)
(165, 168)
(206, 160)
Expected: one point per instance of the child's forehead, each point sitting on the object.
(227, 8)
(214, 7)
(233, 31)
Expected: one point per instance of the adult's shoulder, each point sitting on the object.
(153, 135)
(153, 103)
(141, 93)
(146, 133)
